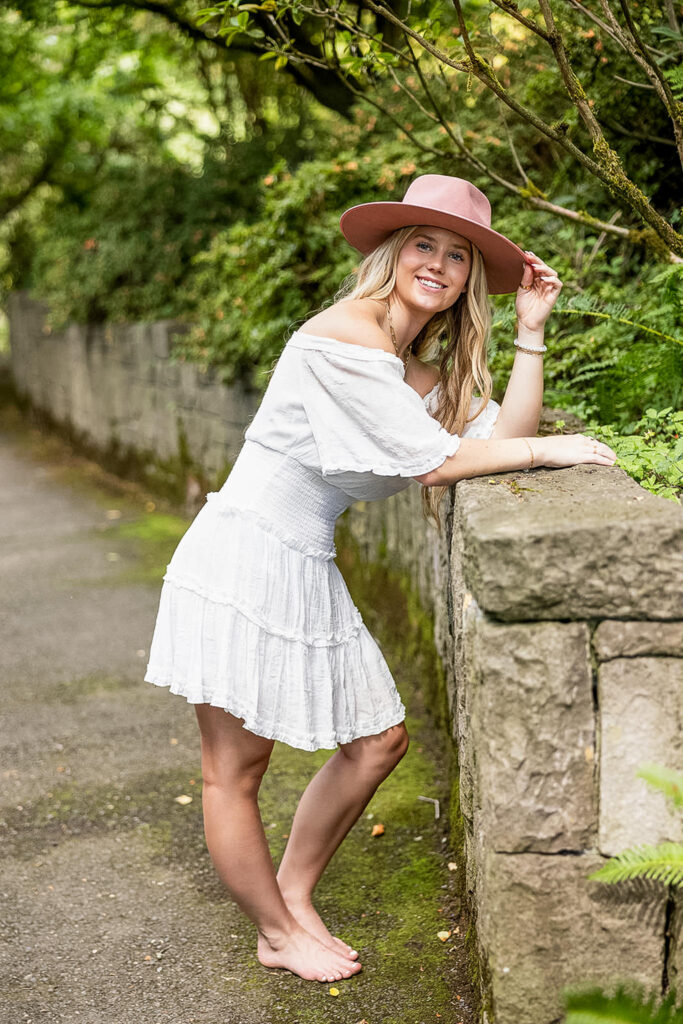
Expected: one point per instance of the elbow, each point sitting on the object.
(428, 479)
(439, 477)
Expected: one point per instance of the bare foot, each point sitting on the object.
(303, 954)
(309, 918)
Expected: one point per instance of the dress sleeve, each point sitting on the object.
(365, 418)
(481, 427)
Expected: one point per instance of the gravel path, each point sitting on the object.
(110, 908)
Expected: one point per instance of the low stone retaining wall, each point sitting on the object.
(557, 598)
(116, 391)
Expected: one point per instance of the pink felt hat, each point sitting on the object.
(438, 200)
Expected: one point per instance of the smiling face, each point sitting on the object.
(432, 270)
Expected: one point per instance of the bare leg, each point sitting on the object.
(331, 803)
(233, 764)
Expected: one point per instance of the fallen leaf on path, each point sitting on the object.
(378, 830)
(183, 799)
(452, 865)
(443, 936)
(334, 991)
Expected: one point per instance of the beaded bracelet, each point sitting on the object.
(530, 466)
(529, 348)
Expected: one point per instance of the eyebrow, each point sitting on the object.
(423, 234)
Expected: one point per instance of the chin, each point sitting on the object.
(434, 305)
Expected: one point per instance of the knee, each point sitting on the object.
(378, 755)
(225, 770)
(391, 747)
(397, 745)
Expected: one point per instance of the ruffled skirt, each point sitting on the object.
(260, 624)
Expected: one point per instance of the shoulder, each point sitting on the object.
(354, 321)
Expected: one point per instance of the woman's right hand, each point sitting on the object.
(570, 450)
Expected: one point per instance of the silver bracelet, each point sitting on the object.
(529, 348)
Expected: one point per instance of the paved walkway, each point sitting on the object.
(111, 910)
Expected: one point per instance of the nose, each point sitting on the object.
(435, 261)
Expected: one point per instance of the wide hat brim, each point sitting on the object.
(368, 225)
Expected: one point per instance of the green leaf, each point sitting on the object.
(664, 863)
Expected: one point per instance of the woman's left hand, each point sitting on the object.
(537, 293)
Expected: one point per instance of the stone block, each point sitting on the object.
(577, 543)
(543, 926)
(640, 720)
(675, 960)
(615, 639)
(168, 374)
(530, 720)
(159, 341)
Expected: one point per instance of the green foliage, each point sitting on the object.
(256, 281)
(123, 250)
(664, 863)
(119, 133)
(651, 452)
(629, 1005)
(666, 780)
(200, 183)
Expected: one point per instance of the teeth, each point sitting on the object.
(430, 284)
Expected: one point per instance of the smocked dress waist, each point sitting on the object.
(291, 500)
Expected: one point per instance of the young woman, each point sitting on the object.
(256, 627)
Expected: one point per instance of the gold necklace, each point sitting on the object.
(393, 338)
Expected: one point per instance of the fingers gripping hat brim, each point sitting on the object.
(368, 225)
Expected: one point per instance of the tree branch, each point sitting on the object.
(10, 203)
(529, 194)
(643, 51)
(319, 87)
(511, 8)
(636, 49)
(572, 85)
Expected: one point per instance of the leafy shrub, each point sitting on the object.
(257, 280)
(651, 451)
(122, 249)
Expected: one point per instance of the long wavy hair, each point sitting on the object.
(455, 340)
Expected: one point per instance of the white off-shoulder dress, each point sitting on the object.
(254, 615)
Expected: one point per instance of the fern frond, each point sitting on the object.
(626, 1006)
(667, 780)
(664, 863)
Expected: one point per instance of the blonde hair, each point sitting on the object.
(457, 337)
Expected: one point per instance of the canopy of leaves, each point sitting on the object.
(191, 166)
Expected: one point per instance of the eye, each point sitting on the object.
(425, 245)
(458, 256)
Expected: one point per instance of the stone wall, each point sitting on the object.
(118, 392)
(557, 598)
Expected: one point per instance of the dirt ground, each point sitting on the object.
(111, 910)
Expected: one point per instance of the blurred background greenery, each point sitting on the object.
(161, 160)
